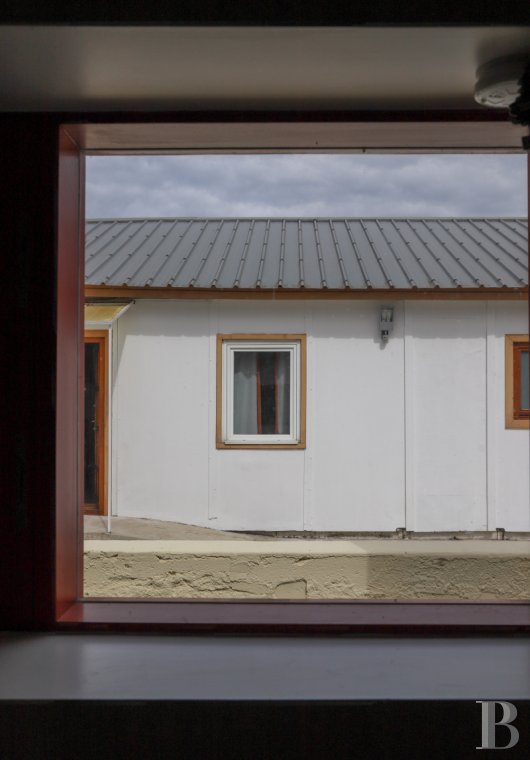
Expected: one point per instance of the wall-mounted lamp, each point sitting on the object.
(386, 322)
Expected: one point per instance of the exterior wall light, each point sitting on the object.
(386, 322)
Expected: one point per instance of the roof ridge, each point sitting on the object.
(385, 217)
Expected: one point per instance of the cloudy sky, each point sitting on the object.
(306, 185)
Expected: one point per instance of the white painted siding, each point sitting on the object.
(161, 409)
(406, 435)
(357, 436)
(509, 455)
(259, 482)
(448, 444)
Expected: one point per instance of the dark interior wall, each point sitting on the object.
(257, 730)
(272, 12)
(28, 169)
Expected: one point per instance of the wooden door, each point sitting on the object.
(95, 423)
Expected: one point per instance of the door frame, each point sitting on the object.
(101, 337)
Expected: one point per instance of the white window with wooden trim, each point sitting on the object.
(261, 391)
(517, 382)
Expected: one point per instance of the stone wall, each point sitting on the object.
(302, 569)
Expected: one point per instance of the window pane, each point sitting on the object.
(525, 391)
(262, 386)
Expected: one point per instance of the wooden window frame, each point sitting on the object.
(58, 602)
(102, 338)
(221, 388)
(516, 418)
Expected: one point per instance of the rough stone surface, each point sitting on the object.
(308, 569)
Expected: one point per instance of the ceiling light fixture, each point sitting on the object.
(505, 83)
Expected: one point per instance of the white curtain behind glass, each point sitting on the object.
(245, 393)
(262, 392)
(525, 381)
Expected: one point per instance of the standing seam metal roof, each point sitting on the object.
(332, 253)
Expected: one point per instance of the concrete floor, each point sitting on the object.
(127, 528)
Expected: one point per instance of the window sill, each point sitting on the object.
(92, 667)
(295, 616)
(269, 446)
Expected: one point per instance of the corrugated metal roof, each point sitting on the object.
(307, 253)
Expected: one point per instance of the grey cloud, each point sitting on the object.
(306, 185)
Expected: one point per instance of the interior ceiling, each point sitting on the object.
(166, 68)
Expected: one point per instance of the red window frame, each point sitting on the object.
(70, 611)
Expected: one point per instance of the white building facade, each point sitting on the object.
(409, 433)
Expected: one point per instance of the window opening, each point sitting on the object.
(264, 332)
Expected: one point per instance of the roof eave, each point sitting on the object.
(98, 292)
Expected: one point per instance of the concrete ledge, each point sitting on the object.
(305, 569)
